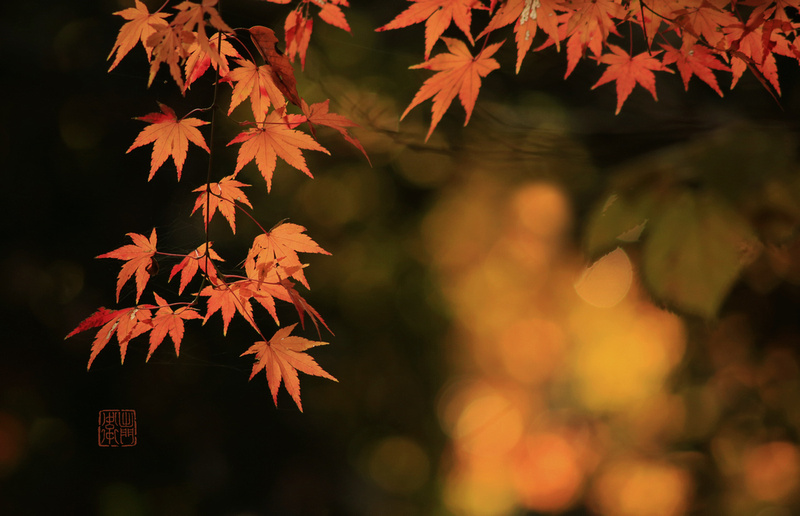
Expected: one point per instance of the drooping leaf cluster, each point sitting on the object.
(696, 37)
(272, 268)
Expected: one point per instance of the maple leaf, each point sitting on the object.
(331, 13)
(302, 306)
(141, 25)
(199, 60)
(170, 45)
(282, 243)
(126, 323)
(170, 137)
(458, 73)
(167, 321)
(707, 21)
(280, 68)
(99, 318)
(271, 139)
(255, 82)
(694, 60)
(281, 358)
(627, 71)
(138, 259)
(437, 15)
(590, 14)
(223, 195)
(528, 16)
(191, 18)
(318, 114)
(229, 298)
(192, 262)
(297, 30)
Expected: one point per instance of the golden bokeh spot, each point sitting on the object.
(531, 349)
(398, 465)
(642, 488)
(607, 281)
(489, 424)
(480, 487)
(542, 210)
(547, 474)
(772, 471)
(622, 357)
(481, 418)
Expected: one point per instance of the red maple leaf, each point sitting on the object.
(696, 60)
(281, 358)
(627, 71)
(459, 73)
(281, 244)
(168, 321)
(141, 25)
(223, 195)
(193, 261)
(437, 15)
(271, 139)
(138, 259)
(170, 137)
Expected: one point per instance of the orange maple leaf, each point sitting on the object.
(170, 137)
(192, 262)
(229, 298)
(281, 244)
(141, 25)
(280, 68)
(318, 114)
(627, 71)
(437, 15)
(223, 195)
(331, 13)
(281, 358)
(302, 306)
(299, 25)
(199, 60)
(191, 19)
(706, 20)
(170, 45)
(458, 73)
(126, 323)
(297, 30)
(138, 259)
(254, 82)
(694, 59)
(169, 321)
(271, 139)
(527, 16)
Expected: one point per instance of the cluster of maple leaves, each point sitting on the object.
(272, 268)
(696, 36)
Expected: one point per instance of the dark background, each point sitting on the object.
(209, 441)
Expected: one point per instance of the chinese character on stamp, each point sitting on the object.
(116, 428)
